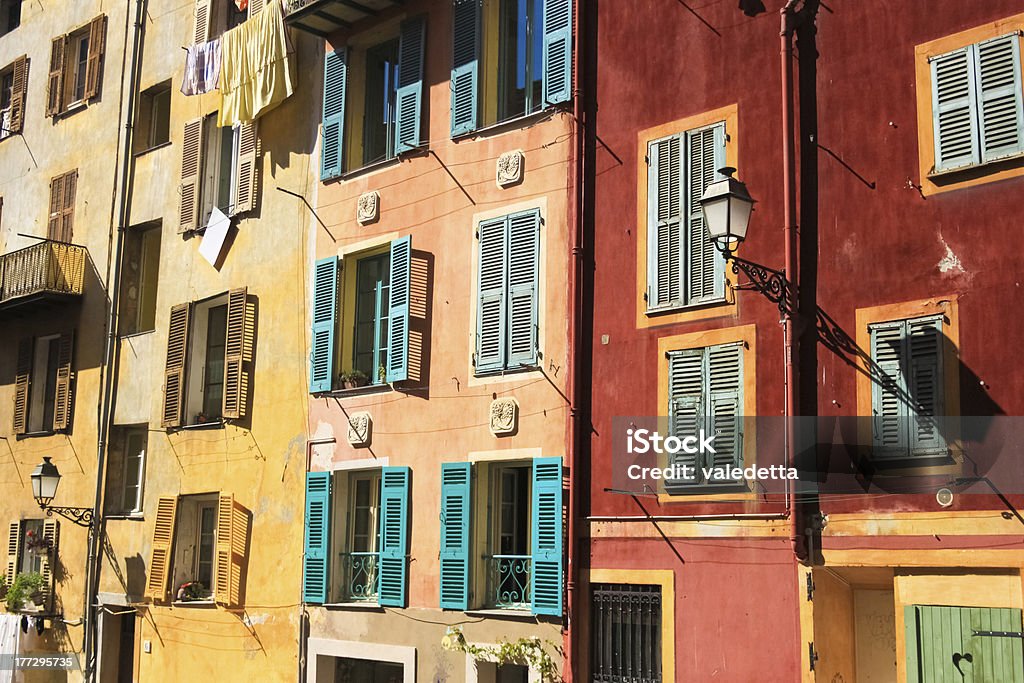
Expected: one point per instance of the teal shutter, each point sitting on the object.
(546, 537)
(954, 110)
(523, 274)
(999, 86)
(703, 264)
(557, 51)
(888, 390)
(398, 310)
(335, 82)
(317, 542)
(410, 85)
(725, 403)
(664, 202)
(325, 300)
(491, 301)
(465, 65)
(394, 535)
(455, 501)
(926, 419)
(685, 407)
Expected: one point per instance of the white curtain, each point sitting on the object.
(10, 631)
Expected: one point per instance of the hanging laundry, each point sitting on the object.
(202, 68)
(257, 66)
(242, 5)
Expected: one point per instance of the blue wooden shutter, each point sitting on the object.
(686, 406)
(523, 274)
(491, 290)
(394, 535)
(546, 537)
(455, 502)
(465, 65)
(704, 265)
(926, 419)
(725, 404)
(954, 110)
(398, 310)
(664, 206)
(410, 85)
(325, 299)
(557, 51)
(335, 83)
(318, 529)
(999, 87)
(889, 390)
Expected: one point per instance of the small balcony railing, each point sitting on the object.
(321, 17)
(508, 581)
(360, 576)
(47, 268)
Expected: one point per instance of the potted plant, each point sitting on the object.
(354, 379)
(191, 591)
(382, 374)
(26, 586)
(36, 544)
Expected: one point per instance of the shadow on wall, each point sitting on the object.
(421, 294)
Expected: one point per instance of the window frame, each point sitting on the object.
(185, 557)
(198, 360)
(6, 6)
(40, 395)
(5, 111)
(145, 241)
(488, 516)
(343, 532)
(34, 562)
(214, 175)
(154, 117)
(141, 432)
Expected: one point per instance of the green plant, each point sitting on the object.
(382, 374)
(193, 590)
(529, 651)
(355, 378)
(22, 589)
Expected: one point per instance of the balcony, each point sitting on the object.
(360, 577)
(508, 582)
(44, 272)
(322, 17)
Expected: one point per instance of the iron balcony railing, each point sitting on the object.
(508, 581)
(44, 268)
(361, 578)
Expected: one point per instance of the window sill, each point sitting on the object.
(365, 606)
(509, 613)
(131, 335)
(677, 307)
(32, 435)
(203, 604)
(128, 517)
(365, 169)
(506, 371)
(357, 391)
(976, 168)
(509, 124)
(72, 108)
(151, 149)
(212, 424)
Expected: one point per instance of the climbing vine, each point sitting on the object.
(529, 651)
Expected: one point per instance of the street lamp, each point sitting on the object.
(45, 479)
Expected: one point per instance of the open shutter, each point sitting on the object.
(255, 6)
(335, 82)
(557, 51)
(63, 394)
(201, 29)
(51, 535)
(22, 382)
(725, 403)
(236, 352)
(191, 168)
(394, 535)
(455, 502)
(685, 408)
(163, 545)
(398, 310)
(232, 532)
(664, 209)
(954, 110)
(318, 527)
(465, 79)
(245, 168)
(19, 89)
(325, 298)
(999, 86)
(888, 390)
(523, 272)
(94, 65)
(704, 265)
(546, 537)
(409, 97)
(174, 369)
(53, 229)
(491, 287)
(926, 418)
(55, 79)
(13, 551)
(67, 213)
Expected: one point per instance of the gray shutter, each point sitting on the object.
(465, 65)
(491, 288)
(999, 88)
(664, 206)
(333, 146)
(557, 84)
(410, 85)
(523, 273)
(685, 406)
(725, 404)
(926, 421)
(704, 266)
(888, 407)
(954, 110)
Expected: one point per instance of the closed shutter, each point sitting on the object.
(664, 215)
(888, 390)
(51, 535)
(232, 533)
(335, 82)
(523, 276)
(255, 6)
(954, 110)
(94, 63)
(163, 545)
(55, 78)
(394, 535)
(455, 506)
(22, 382)
(56, 208)
(201, 28)
(325, 298)
(725, 403)
(19, 90)
(999, 86)
(174, 369)
(546, 537)
(409, 97)
(943, 644)
(465, 80)
(191, 168)
(686, 408)
(704, 264)
(237, 354)
(317, 541)
(926, 419)
(63, 396)
(62, 207)
(557, 51)
(13, 551)
(398, 310)
(246, 186)
(491, 288)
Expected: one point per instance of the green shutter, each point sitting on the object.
(317, 542)
(333, 145)
(889, 389)
(686, 407)
(546, 537)
(454, 556)
(942, 645)
(725, 404)
(398, 310)
(394, 535)
(954, 110)
(926, 417)
(1001, 115)
(465, 80)
(704, 265)
(557, 51)
(325, 299)
(410, 85)
(664, 206)
(523, 275)
(491, 301)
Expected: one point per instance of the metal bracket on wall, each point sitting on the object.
(812, 656)
(810, 585)
(998, 634)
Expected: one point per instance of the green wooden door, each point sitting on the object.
(958, 644)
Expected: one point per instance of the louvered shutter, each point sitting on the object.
(926, 419)
(255, 6)
(465, 80)
(557, 51)
(55, 78)
(13, 551)
(704, 265)
(94, 63)
(491, 289)
(191, 168)
(325, 297)
(159, 576)
(174, 368)
(888, 404)
(230, 552)
(53, 229)
(398, 310)
(394, 535)
(454, 557)
(335, 83)
(664, 215)
(409, 97)
(237, 353)
(725, 404)
(19, 90)
(546, 537)
(67, 213)
(523, 275)
(51, 535)
(22, 382)
(201, 28)
(686, 408)
(999, 87)
(246, 186)
(317, 541)
(954, 110)
(62, 402)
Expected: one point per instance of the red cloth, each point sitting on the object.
(241, 5)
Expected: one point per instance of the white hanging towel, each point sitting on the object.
(202, 68)
(10, 631)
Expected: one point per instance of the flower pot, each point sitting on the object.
(38, 598)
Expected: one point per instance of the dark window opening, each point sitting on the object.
(10, 15)
(373, 280)
(348, 670)
(625, 639)
(380, 104)
(520, 59)
(213, 384)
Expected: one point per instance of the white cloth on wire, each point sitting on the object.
(202, 68)
(10, 632)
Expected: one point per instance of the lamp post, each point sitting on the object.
(45, 479)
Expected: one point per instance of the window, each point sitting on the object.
(10, 15)
(683, 266)
(214, 17)
(31, 546)
(489, 672)
(31, 560)
(625, 633)
(510, 58)
(42, 394)
(383, 120)
(356, 536)
(508, 559)
(218, 170)
(152, 127)
(347, 670)
(508, 273)
(140, 272)
(62, 207)
(13, 87)
(194, 546)
(218, 181)
(76, 67)
(126, 469)
(6, 97)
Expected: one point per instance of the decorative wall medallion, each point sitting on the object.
(360, 427)
(510, 168)
(504, 416)
(368, 209)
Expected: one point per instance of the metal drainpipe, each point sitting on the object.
(303, 614)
